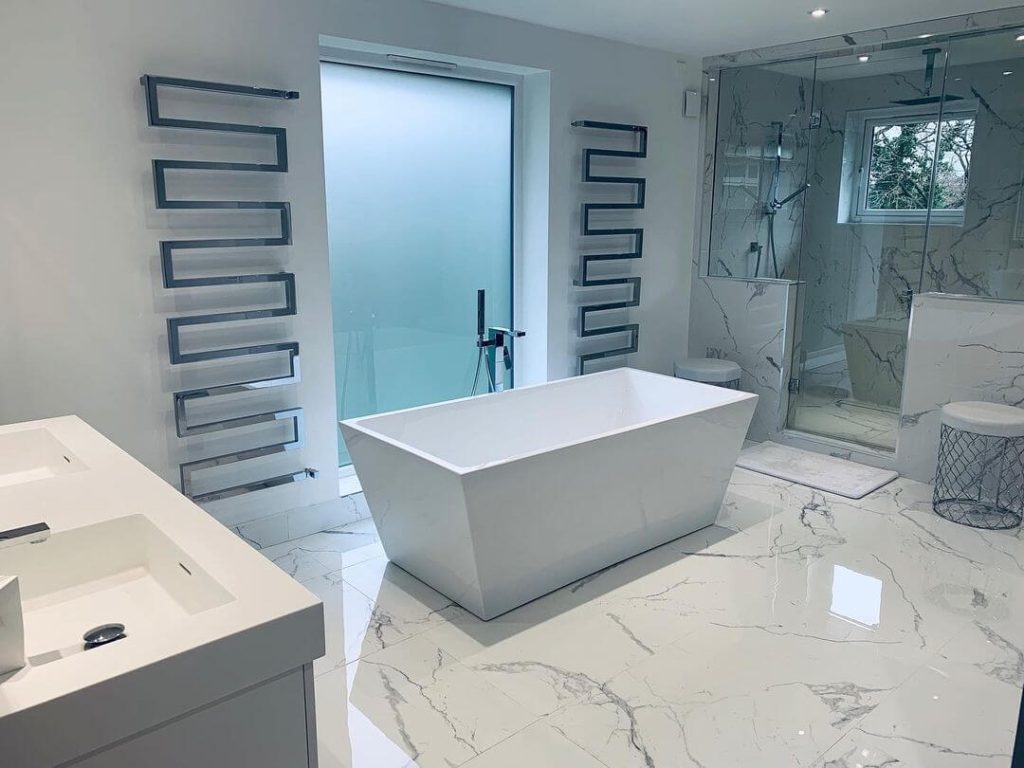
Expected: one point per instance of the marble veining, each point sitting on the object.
(960, 349)
(803, 629)
(751, 323)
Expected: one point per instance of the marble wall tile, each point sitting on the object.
(749, 322)
(960, 349)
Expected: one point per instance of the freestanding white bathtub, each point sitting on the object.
(498, 499)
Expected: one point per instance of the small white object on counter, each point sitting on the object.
(12, 631)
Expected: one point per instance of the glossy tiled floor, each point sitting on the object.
(803, 630)
(845, 419)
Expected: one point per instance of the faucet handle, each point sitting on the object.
(514, 333)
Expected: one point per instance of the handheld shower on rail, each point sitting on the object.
(774, 205)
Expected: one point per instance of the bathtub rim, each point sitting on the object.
(729, 397)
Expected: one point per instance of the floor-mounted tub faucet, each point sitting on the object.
(489, 342)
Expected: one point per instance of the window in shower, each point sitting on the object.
(892, 172)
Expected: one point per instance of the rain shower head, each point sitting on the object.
(929, 79)
(928, 100)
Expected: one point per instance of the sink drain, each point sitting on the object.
(107, 633)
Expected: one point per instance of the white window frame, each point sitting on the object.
(859, 135)
(531, 105)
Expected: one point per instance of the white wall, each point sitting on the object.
(81, 305)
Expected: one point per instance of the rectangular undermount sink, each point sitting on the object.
(122, 571)
(34, 454)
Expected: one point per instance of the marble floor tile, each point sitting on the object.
(320, 553)
(946, 716)
(822, 412)
(353, 625)
(295, 561)
(543, 666)
(408, 601)
(725, 697)
(537, 746)
(992, 647)
(433, 712)
(804, 629)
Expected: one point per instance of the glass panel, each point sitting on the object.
(419, 205)
(984, 256)
(863, 239)
(760, 169)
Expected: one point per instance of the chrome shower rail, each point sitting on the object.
(168, 248)
(587, 229)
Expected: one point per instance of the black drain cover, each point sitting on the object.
(107, 633)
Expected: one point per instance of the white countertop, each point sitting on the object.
(58, 711)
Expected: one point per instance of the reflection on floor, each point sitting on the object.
(802, 630)
(824, 407)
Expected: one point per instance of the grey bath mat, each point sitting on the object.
(825, 473)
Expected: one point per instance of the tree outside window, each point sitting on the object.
(900, 167)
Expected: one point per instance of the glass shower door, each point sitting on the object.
(419, 204)
(864, 238)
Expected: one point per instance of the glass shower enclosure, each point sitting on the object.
(865, 179)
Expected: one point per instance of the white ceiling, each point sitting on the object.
(721, 26)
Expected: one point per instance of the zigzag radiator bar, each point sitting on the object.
(172, 281)
(587, 229)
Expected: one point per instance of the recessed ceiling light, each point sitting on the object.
(864, 57)
(925, 36)
(817, 13)
(711, 79)
(1007, 72)
(1020, 37)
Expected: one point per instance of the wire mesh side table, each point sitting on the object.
(980, 476)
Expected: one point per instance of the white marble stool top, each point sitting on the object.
(707, 369)
(993, 419)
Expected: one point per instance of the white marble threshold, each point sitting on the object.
(803, 629)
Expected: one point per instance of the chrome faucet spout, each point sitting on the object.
(26, 534)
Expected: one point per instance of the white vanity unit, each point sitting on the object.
(215, 665)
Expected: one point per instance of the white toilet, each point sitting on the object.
(709, 370)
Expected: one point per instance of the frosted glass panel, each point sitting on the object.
(419, 204)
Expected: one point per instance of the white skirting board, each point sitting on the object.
(815, 470)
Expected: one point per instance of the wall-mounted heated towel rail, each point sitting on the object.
(238, 354)
(590, 230)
